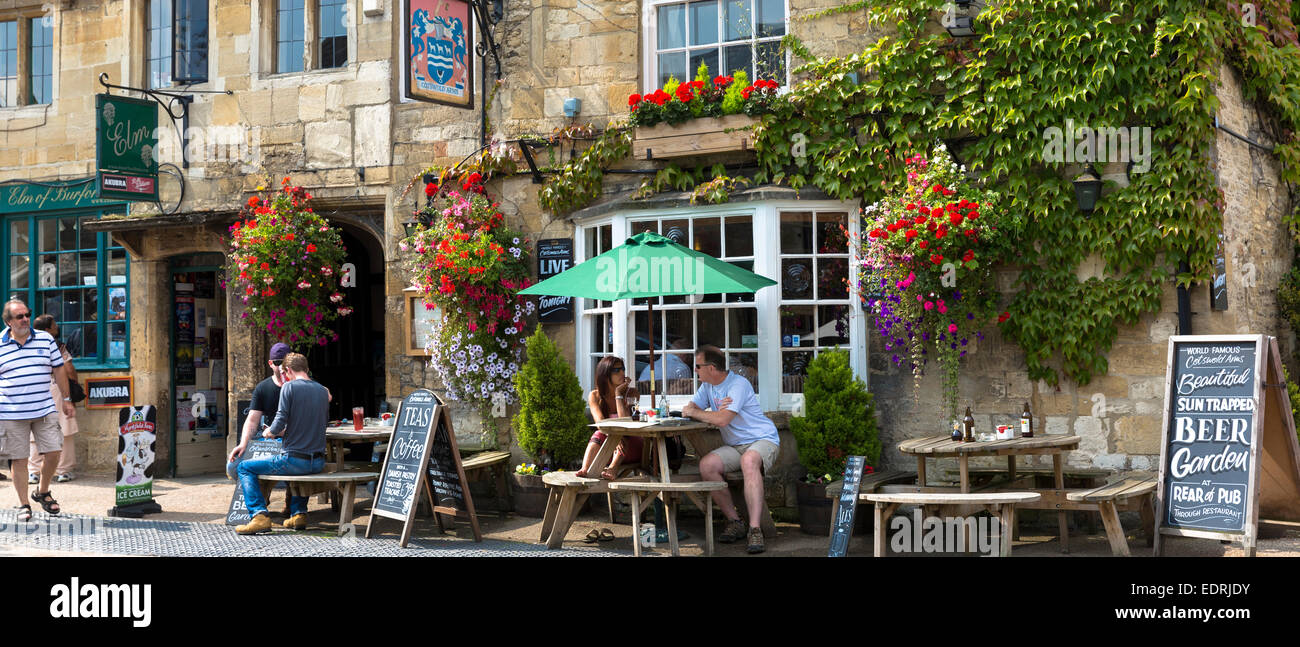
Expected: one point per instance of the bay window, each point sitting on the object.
(803, 245)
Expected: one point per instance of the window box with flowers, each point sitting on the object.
(699, 117)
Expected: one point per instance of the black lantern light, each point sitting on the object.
(1087, 188)
(959, 26)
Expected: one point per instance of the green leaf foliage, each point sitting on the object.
(841, 417)
(551, 418)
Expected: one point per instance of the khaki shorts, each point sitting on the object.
(730, 454)
(19, 433)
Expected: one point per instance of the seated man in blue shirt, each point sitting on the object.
(301, 418)
(750, 441)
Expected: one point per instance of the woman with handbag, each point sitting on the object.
(67, 424)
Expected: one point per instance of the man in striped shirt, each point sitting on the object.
(27, 409)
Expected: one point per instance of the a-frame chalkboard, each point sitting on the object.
(1229, 452)
(422, 458)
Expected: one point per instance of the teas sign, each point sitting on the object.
(126, 148)
(554, 255)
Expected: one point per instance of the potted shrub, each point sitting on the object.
(551, 426)
(706, 115)
(840, 421)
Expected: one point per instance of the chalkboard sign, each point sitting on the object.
(408, 452)
(1226, 413)
(237, 514)
(554, 255)
(422, 457)
(848, 506)
(444, 471)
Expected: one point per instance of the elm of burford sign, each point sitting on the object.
(126, 147)
(18, 198)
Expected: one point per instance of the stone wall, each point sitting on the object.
(348, 137)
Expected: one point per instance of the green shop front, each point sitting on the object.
(60, 266)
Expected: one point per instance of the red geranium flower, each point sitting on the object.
(911, 233)
(430, 189)
(954, 218)
(1004, 316)
(633, 100)
(969, 256)
(936, 259)
(924, 244)
(311, 249)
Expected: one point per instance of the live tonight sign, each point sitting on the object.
(554, 255)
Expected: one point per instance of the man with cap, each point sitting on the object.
(262, 408)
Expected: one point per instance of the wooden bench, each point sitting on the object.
(1043, 476)
(568, 492)
(1000, 504)
(494, 463)
(344, 482)
(869, 484)
(1133, 488)
(696, 491)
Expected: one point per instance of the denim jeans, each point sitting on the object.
(281, 465)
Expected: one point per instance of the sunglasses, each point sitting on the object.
(618, 370)
(25, 315)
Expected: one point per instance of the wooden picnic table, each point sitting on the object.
(337, 437)
(656, 433)
(946, 447)
(561, 508)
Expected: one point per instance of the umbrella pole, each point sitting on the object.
(650, 314)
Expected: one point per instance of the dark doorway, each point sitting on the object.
(353, 366)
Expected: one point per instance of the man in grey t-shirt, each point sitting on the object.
(300, 418)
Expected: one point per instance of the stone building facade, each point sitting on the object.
(347, 135)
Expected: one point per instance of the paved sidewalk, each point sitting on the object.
(84, 534)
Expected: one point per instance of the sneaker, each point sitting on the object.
(755, 541)
(732, 532)
(63, 478)
(33, 478)
(261, 524)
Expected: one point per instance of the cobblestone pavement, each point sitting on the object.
(88, 535)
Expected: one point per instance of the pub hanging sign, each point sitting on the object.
(126, 144)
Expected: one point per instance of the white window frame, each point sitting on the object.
(767, 262)
(650, 41)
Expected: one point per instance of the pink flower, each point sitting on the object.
(929, 305)
(952, 327)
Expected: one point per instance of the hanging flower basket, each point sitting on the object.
(285, 263)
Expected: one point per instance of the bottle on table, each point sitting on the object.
(1026, 423)
(969, 422)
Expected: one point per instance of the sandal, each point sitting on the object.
(606, 534)
(592, 537)
(24, 513)
(47, 502)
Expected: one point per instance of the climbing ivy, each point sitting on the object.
(577, 183)
(1035, 65)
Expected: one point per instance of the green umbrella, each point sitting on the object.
(649, 265)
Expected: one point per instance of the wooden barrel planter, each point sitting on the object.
(529, 495)
(815, 511)
(699, 136)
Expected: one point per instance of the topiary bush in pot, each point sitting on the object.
(840, 421)
(551, 426)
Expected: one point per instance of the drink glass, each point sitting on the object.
(357, 418)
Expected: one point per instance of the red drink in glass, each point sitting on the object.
(357, 414)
